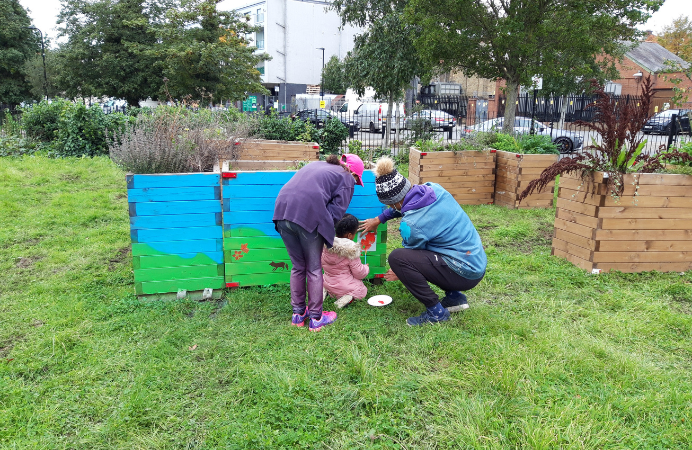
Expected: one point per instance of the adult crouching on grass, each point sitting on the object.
(305, 214)
(441, 245)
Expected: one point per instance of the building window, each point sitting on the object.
(259, 40)
(261, 70)
(260, 16)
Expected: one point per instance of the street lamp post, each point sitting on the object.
(43, 55)
(322, 76)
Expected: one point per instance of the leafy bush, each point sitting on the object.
(86, 131)
(475, 142)
(42, 120)
(277, 128)
(355, 147)
(527, 144)
(332, 135)
(13, 145)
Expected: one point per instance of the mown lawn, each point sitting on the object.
(546, 357)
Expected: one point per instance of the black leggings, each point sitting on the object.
(415, 268)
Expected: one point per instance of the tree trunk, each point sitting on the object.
(387, 132)
(563, 113)
(510, 106)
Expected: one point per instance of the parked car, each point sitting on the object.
(661, 123)
(566, 141)
(372, 116)
(439, 120)
(319, 116)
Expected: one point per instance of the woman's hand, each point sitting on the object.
(390, 276)
(369, 225)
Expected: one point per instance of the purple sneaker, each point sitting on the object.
(327, 318)
(299, 319)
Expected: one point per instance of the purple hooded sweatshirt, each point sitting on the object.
(316, 198)
(418, 197)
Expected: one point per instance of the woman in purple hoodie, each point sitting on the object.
(305, 213)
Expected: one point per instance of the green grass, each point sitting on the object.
(546, 357)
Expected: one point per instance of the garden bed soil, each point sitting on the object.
(648, 228)
(468, 175)
(514, 172)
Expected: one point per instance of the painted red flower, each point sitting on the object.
(244, 248)
(237, 255)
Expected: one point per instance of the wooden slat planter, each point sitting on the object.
(514, 172)
(648, 228)
(254, 253)
(469, 175)
(176, 232)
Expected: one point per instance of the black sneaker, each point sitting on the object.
(426, 318)
(454, 301)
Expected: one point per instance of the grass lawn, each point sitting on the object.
(546, 357)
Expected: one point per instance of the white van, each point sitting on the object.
(372, 116)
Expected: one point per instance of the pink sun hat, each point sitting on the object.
(355, 164)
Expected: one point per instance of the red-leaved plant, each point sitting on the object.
(620, 150)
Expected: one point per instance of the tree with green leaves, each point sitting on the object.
(383, 57)
(517, 39)
(35, 74)
(205, 53)
(108, 49)
(677, 37)
(333, 76)
(18, 44)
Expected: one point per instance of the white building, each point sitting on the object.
(293, 33)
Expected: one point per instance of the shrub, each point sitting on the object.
(86, 131)
(277, 128)
(172, 140)
(332, 135)
(41, 120)
(13, 145)
(525, 143)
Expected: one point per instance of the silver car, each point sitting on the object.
(439, 120)
(566, 141)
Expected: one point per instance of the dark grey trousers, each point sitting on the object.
(416, 268)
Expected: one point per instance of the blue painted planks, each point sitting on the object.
(207, 246)
(172, 180)
(175, 221)
(272, 190)
(252, 217)
(164, 208)
(176, 234)
(173, 194)
(245, 229)
(267, 203)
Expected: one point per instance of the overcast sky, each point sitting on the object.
(45, 12)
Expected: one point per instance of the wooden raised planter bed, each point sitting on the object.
(648, 228)
(514, 172)
(258, 154)
(469, 175)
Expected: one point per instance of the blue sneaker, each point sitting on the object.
(428, 317)
(454, 301)
(298, 320)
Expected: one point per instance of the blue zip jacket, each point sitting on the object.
(441, 226)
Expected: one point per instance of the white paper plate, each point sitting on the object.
(380, 300)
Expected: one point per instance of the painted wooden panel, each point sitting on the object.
(172, 180)
(175, 273)
(272, 190)
(190, 284)
(173, 194)
(175, 221)
(253, 251)
(163, 208)
(207, 246)
(183, 259)
(176, 234)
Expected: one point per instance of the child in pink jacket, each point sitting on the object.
(343, 270)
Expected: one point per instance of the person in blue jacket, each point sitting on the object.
(441, 245)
